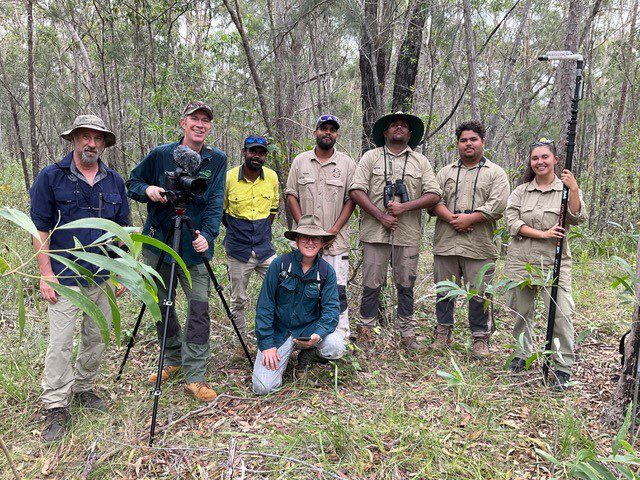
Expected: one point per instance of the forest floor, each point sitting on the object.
(377, 415)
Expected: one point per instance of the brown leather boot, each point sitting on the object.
(200, 391)
(411, 344)
(443, 336)
(480, 347)
(365, 337)
(167, 372)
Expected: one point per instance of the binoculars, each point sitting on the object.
(391, 190)
(458, 212)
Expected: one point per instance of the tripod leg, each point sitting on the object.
(167, 303)
(219, 289)
(132, 340)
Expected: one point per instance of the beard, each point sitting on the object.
(89, 158)
(254, 165)
(324, 143)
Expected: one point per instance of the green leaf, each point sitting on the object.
(21, 308)
(547, 456)
(21, 219)
(80, 300)
(115, 312)
(622, 433)
(3, 265)
(74, 267)
(101, 224)
(165, 248)
(481, 274)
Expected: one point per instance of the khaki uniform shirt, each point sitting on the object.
(489, 197)
(370, 178)
(528, 205)
(322, 189)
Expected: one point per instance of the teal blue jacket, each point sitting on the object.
(293, 306)
(205, 210)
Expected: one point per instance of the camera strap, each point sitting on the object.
(475, 184)
(404, 168)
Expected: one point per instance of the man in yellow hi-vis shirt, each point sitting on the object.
(250, 206)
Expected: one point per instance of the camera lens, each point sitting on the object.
(193, 185)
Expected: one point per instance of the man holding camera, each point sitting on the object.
(79, 186)
(392, 184)
(318, 184)
(189, 350)
(475, 192)
(250, 205)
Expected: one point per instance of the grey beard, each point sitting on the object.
(88, 159)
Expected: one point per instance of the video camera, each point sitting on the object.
(180, 182)
(391, 190)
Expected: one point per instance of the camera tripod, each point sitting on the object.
(179, 219)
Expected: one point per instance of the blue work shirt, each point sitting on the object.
(204, 210)
(293, 307)
(61, 194)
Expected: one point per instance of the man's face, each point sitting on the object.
(397, 132)
(254, 157)
(326, 136)
(196, 126)
(309, 246)
(88, 145)
(470, 145)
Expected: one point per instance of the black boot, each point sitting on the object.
(559, 381)
(57, 421)
(306, 358)
(517, 365)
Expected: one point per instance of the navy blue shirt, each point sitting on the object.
(204, 210)
(60, 194)
(293, 306)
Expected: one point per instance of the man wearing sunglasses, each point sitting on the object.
(79, 186)
(190, 349)
(250, 206)
(318, 184)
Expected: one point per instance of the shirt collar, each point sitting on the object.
(332, 159)
(482, 163)
(407, 149)
(68, 162)
(241, 174)
(555, 185)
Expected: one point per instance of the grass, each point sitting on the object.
(383, 415)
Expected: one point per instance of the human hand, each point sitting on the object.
(389, 221)
(569, 180)
(47, 292)
(270, 358)
(155, 194)
(554, 232)
(200, 243)
(315, 338)
(332, 231)
(462, 222)
(396, 208)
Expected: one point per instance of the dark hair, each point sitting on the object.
(472, 125)
(529, 174)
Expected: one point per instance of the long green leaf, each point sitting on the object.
(102, 224)
(80, 300)
(165, 248)
(21, 219)
(21, 308)
(481, 273)
(115, 312)
(3, 265)
(74, 267)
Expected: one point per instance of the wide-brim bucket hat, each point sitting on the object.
(416, 125)
(309, 225)
(91, 122)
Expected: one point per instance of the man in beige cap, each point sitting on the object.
(78, 186)
(298, 306)
(392, 185)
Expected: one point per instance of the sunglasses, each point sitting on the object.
(307, 239)
(329, 118)
(541, 143)
(258, 140)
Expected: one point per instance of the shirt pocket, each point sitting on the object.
(335, 190)
(66, 205)
(449, 191)
(550, 217)
(413, 180)
(111, 204)
(311, 300)
(528, 216)
(284, 296)
(307, 186)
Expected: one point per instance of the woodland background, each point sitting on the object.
(273, 66)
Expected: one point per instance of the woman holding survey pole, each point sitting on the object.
(533, 213)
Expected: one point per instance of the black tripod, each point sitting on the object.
(179, 219)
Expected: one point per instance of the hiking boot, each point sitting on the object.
(560, 380)
(443, 336)
(517, 365)
(167, 372)
(56, 424)
(306, 358)
(365, 337)
(200, 391)
(91, 400)
(411, 344)
(480, 347)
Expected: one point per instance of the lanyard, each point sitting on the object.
(404, 168)
(475, 184)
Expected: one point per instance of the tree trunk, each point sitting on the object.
(35, 151)
(470, 47)
(407, 67)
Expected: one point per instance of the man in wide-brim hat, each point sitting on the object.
(392, 184)
(78, 186)
(298, 307)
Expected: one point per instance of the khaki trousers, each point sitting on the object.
(60, 381)
(457, 268)
(239, 275)
(340, 264)
(522, 305)
(375, 262)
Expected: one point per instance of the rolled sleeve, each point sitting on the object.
(512, 213)
(265, 309)
(429, 182)
(330, 306)
(496, 204)
(581, 216)
(351, 171)
(362, 175)
(292, 179)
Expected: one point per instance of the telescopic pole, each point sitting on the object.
(571, 142)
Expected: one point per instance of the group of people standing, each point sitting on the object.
(303, 299)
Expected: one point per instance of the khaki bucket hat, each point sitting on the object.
(309, 225)
(91, 122)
